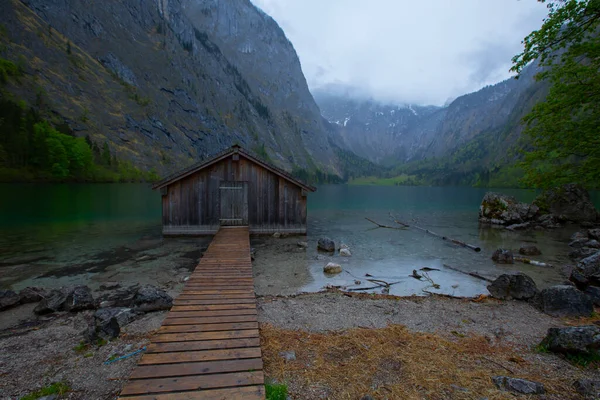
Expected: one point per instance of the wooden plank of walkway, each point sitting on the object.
(208, 347)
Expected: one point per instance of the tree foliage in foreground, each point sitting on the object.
(564, 129)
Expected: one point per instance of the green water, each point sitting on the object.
(61, 225)
(68, 221)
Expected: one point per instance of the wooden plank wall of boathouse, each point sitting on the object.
(191, 205)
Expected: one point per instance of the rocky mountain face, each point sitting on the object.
(166, 82)
(381, 133)
(391, 134)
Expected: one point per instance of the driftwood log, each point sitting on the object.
(381, 225)
(473, 274)
(454, 241)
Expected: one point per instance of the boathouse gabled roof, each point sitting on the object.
(235, 149)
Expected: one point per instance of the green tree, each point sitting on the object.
(106, 159)
(563, 129)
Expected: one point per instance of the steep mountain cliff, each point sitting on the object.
(165, 82)
(458, 143)
(378, 132)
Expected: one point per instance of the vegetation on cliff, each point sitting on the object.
(31, 149)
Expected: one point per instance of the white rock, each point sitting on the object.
(332, 268)
(345, 253)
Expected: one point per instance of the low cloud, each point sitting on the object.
(421, 52)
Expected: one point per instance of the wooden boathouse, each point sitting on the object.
(233, 188)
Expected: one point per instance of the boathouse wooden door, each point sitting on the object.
(233, 203)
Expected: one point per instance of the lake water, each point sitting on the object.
(59, 225)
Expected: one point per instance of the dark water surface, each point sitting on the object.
(64, 224)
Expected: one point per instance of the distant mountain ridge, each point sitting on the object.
(488, 119)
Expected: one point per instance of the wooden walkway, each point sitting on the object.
(208, 346)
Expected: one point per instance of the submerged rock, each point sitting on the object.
(8, 299)
(150, 298)
(302, 245)
(565, 301)
(570, 201)
(332, 268)
(31, 295)
(517, 385)
(326, 244)
(518, 286)
(530, 251)
(345, 253)
(110, 286)
(502, 256)
(573, 340)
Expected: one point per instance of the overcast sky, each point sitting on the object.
(406, 51)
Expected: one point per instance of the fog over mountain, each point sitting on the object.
(416, 52)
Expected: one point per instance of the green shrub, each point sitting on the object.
(275, 391)
(58, 388)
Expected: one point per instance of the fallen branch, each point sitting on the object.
(443, 294)
(454, 241)
(498, 364)
(380, 225)
(428, 278)
(379, 281)
(415, 275)
(473, 274)
(532, 262)
(364, 288)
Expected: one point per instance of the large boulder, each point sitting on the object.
(573, 340)
(588, 388)
(505, 210)
(150, 298)
(594, 293)
(326, 244)
(31, 295)
(8, 299)
(502, 256)
(518, 286)
(516, 385)
(122, 297)
(53, 302)
(582, 253)
(79, 298)
(590, 266)
(108, 322)
(571, 201)
(564, 301)
(594, 234)
(73, 298)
